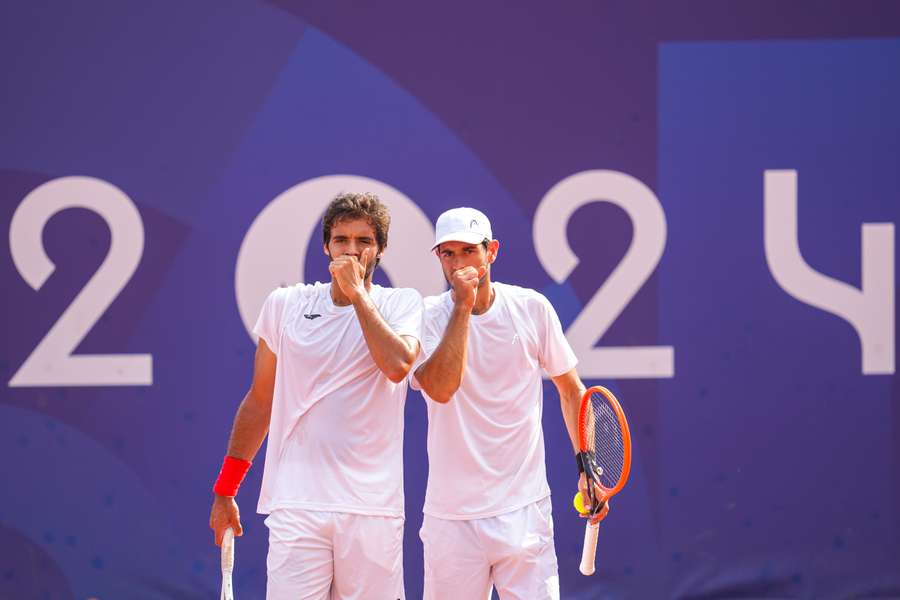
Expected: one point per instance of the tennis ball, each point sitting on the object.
(579, 503)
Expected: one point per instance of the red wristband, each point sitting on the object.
(231, 476)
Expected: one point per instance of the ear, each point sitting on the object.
(325, 250)
(492, 250)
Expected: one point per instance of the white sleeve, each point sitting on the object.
(405, 313)
(556, 355)
(432, 332)
(271, 318)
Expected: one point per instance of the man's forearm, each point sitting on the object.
(441, 375)
(251, 424)
(570, 405)
(391, 352)
(570, 389)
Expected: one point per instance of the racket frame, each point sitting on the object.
(586, 457)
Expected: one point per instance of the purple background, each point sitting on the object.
(768, 467)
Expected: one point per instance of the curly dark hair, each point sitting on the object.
(352, 205)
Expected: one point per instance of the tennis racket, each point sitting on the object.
(227, 564)
(605, 453)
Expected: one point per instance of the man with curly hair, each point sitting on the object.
(329, 386)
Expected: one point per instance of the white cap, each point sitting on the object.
(462, 225)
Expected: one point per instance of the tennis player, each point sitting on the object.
(329, 386)
(485, 345)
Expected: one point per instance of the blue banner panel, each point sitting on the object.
(781, 439)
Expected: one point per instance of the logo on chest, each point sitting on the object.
(311, 316)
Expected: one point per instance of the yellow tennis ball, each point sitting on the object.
(579, 503)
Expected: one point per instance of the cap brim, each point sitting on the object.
(467, 237)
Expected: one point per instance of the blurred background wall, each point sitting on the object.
(705, 190)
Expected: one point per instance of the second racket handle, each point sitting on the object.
(228, 551)
(589, 552)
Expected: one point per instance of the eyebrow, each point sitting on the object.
(359, 237)
(464, 248)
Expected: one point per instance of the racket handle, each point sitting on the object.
(227, 591)
(228, 551)
(227, 564)
(589, 552)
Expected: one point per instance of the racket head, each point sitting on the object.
(604, 436)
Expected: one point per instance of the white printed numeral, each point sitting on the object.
(869, 310)
(639, 262)
(52, 362)
(274, 249)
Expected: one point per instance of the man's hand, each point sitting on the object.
(224, 514)
(464, 286)
(350, 272)
(586, 500)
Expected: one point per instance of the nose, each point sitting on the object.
(353, 248)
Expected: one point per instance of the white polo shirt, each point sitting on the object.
(336, 436)
(486, 445)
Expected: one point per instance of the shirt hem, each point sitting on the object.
(485, 515)
(368, 511)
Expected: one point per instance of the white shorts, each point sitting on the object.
(317, 555)
(513, 552)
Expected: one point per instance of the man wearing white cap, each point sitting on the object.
(484, 346)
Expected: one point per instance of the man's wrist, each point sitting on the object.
(230, 476)
(462, 310)
(358, 294)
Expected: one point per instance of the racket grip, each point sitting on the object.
(227, 592)
(228, 551)
(589, 552)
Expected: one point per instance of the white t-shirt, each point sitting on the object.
(486, 445)
(336, 433)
